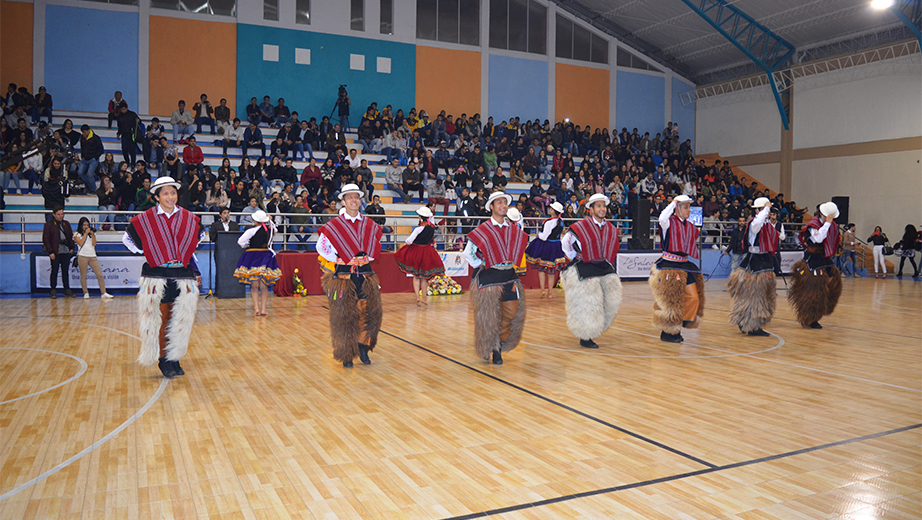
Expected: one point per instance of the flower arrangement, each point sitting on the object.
(299, 290)
(441, 285)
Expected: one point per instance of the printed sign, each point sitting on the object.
(119, 271)
(789, 258)
(455, 264)
(636, 265)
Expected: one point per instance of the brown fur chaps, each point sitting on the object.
(668, 288)
(352, 321)
(494, 319)
(814, 294)
(754, 297)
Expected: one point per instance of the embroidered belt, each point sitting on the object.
(173, 263)
(673, 257)
(355, 263)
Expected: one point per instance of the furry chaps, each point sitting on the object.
(488, 318)
(182, 317)
(668, 288)
(813, 294)
(592, 304)
(346, 327)
(753, 296)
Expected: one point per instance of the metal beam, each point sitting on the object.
(897, 9)
(766, 49)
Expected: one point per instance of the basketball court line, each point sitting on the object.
(79, 373)
(679, 476)
(557, 403)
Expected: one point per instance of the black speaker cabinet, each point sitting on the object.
(640, 226)
(842, 203)
(226, 255)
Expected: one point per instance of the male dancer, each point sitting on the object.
(351, 241)
(493, 249)
(817, 283)
(752, 285)
(167, 236)
(591, 286)
(677, 284)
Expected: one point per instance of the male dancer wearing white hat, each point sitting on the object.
(167, 236)
(752, 285)
(817, 283)
(591, 285)
(677, 284)
(493, 249)
(351, 241)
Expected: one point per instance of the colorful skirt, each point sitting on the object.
(546, 255)
(420, 261)
(257, 265)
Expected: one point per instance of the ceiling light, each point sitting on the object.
(881, 4)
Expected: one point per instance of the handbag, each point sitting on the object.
(888, 249)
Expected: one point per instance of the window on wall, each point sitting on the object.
(451, 21)
(626, 59)
(271, 10)
(518, 25)
(387, 16)
(217, 7)
(303, 12)
(357, 15)
(575, 42)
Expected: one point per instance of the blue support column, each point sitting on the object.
(765, 48)
(898, 11)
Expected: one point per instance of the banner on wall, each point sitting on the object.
(636, 265)
(119, 272)
(788, 259)
(455, 264)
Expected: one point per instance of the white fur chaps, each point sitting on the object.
(592, 304)
(182, 317)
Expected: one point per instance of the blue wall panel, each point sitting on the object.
(518, 87)
(641, 102)
(685, 116)
(89, 54)
(311, 90)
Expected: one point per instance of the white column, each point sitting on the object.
(552, 62)
(143, 57)
(612, 82)
(484, 60)
(38, 44)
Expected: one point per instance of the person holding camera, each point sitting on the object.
(342, 104)
(878, 239)
(86, 256)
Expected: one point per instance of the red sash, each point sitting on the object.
(499, 245)
(767, 238)
(596, 243)
(830, 244)
(681, 237)
(167, 239)
(351, 238)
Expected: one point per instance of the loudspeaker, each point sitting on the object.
(640, 226)
(842, 204)
(226, 255)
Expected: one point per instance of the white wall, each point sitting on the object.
(883, 189)
(767, 174)
(868, 103)
(738, 124)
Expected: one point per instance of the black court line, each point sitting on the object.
(645, 483)
(557, 403)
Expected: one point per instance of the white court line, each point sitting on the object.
(753, 355)
(128, 422)
(83, 366)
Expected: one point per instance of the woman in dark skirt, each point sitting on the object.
(545, 253)
(419, 258)
(257, 265)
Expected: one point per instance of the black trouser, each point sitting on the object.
(129, 150)
(912, 260)
(61, 260)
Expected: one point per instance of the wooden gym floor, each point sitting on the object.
(265, 424)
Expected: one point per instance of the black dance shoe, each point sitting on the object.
(815, 325)
(166, 368)
(363, 354)
(758, 332)
(177, 370)
(497, 357)
(347, 364)
(671, 338)
(588, 343)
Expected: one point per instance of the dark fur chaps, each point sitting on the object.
(754, 297)
(488, 319)
(349, 325)
(814, 294)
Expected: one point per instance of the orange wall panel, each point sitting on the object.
(189, 58)
(447, 80)
(16, 44)
(582, 95)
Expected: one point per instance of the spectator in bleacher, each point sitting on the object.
(130, 133)
(54, 185)
(14, 171)
(222, 116)
(267, 112)
(251, 207)
(171, 159)
(538, 197)
(365, 184)
(31, 170)
(115, 107)
(239, 197)
(311, 177)
(393, 179)
(412, 180)
(253, 138)
(182, 121)
(278, 149)
(438, 196)
(69, 134)
(91, 149)
(152, 145)
(299, 221)
(58, 241)
(234, 136)
(193, 159)
(197, 196)
(217, 199)
(21, 133)
(288, 173)
(303, 136)
(500, 180)
(106, 200)
(281, 113)
(336, 139)
(144, 199)
(365, 135)
(204, 114)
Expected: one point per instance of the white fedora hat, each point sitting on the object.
(350, 188)
(514, 214)
(597, 197)
(558, 207)
(829, 208)
(164, 181)
(682, 198)
(424, 212)
(260, 216)
(761, 202)
(498, 195)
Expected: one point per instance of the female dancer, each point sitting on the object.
(545, 252)
(419, 257)
(257, 265)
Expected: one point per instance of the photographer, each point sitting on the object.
(342, 103)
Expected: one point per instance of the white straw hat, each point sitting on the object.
(682, 198)
(350, 188)
(164, 181)
(597, 197)
(497, 195)
(761, 202)
(514, 214)
(558, 207)
(260, 216)
(829, 208)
